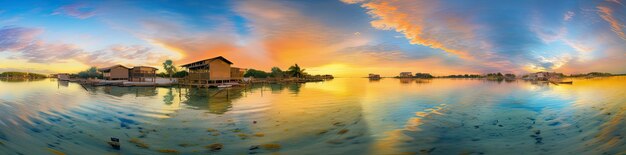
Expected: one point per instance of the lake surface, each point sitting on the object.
(340, 116)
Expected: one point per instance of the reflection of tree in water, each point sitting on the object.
(19, 80)
(295, 88)
(422, 81)
(137, 91)
(168, 98)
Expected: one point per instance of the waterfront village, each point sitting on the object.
(220, 72)
(212, 72)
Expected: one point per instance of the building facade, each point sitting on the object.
(143, 74)
(212, 70)
(117, 72)
(406, 75)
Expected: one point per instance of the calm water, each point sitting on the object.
(341, 116)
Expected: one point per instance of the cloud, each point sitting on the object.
(568, 16)
(353, 1)
(25, 43)
(23, 40)
(424, 26)
(80, 11)
(607, 14)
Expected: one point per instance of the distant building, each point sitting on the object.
(142, 74)
(63, 76)
(544, 76)
(373, 76)
(117, 72)
(406, 75)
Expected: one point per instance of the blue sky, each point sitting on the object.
(342, 37)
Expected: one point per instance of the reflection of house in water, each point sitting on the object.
(63, 83)
(219, 101)
(406, 80)
(216, 101)
(136, 91)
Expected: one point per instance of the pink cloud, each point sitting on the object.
(607, 14)
(80, 11)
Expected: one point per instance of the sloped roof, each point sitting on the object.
(209, 60)
(109, 68)
(146, 67)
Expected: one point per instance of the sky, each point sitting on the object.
(346, 38)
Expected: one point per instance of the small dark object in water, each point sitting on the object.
(254, 147)
(428, 151)
(538, 139)
(554, 123)
(253, 122)
(500, 125)
(115, 143)
(476, 126)
(608, 113)
(343, 131)
(215, 147)
(538, 132)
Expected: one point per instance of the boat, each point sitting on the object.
(566, 82)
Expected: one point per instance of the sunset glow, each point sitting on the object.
(346, 38)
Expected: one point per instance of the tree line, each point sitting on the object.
(276, 72)
(21, 75)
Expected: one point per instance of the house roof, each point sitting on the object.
(209, 60)
(109, 68)
(146, 67)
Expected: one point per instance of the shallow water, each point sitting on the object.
(341, 116)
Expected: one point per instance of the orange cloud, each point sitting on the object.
(415, 27)
(607, 14)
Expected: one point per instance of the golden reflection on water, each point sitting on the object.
(358, 115)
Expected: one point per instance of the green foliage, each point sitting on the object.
(92, 72)
(463, 76)
(169, 67)
(592, 74)
(277, 73)
(256, 73)
(21, 75)
(423, 75)
(499, 76)
(179, 74)
(296, 71)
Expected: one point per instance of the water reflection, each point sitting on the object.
(342, 116)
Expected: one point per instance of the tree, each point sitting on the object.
(92, 72)
(423, 75)
(295, 71)
(256, 73)
(277, 72)
(181, 74)
(169, 67)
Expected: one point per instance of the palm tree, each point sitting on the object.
(295, 71)
(169, 67)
